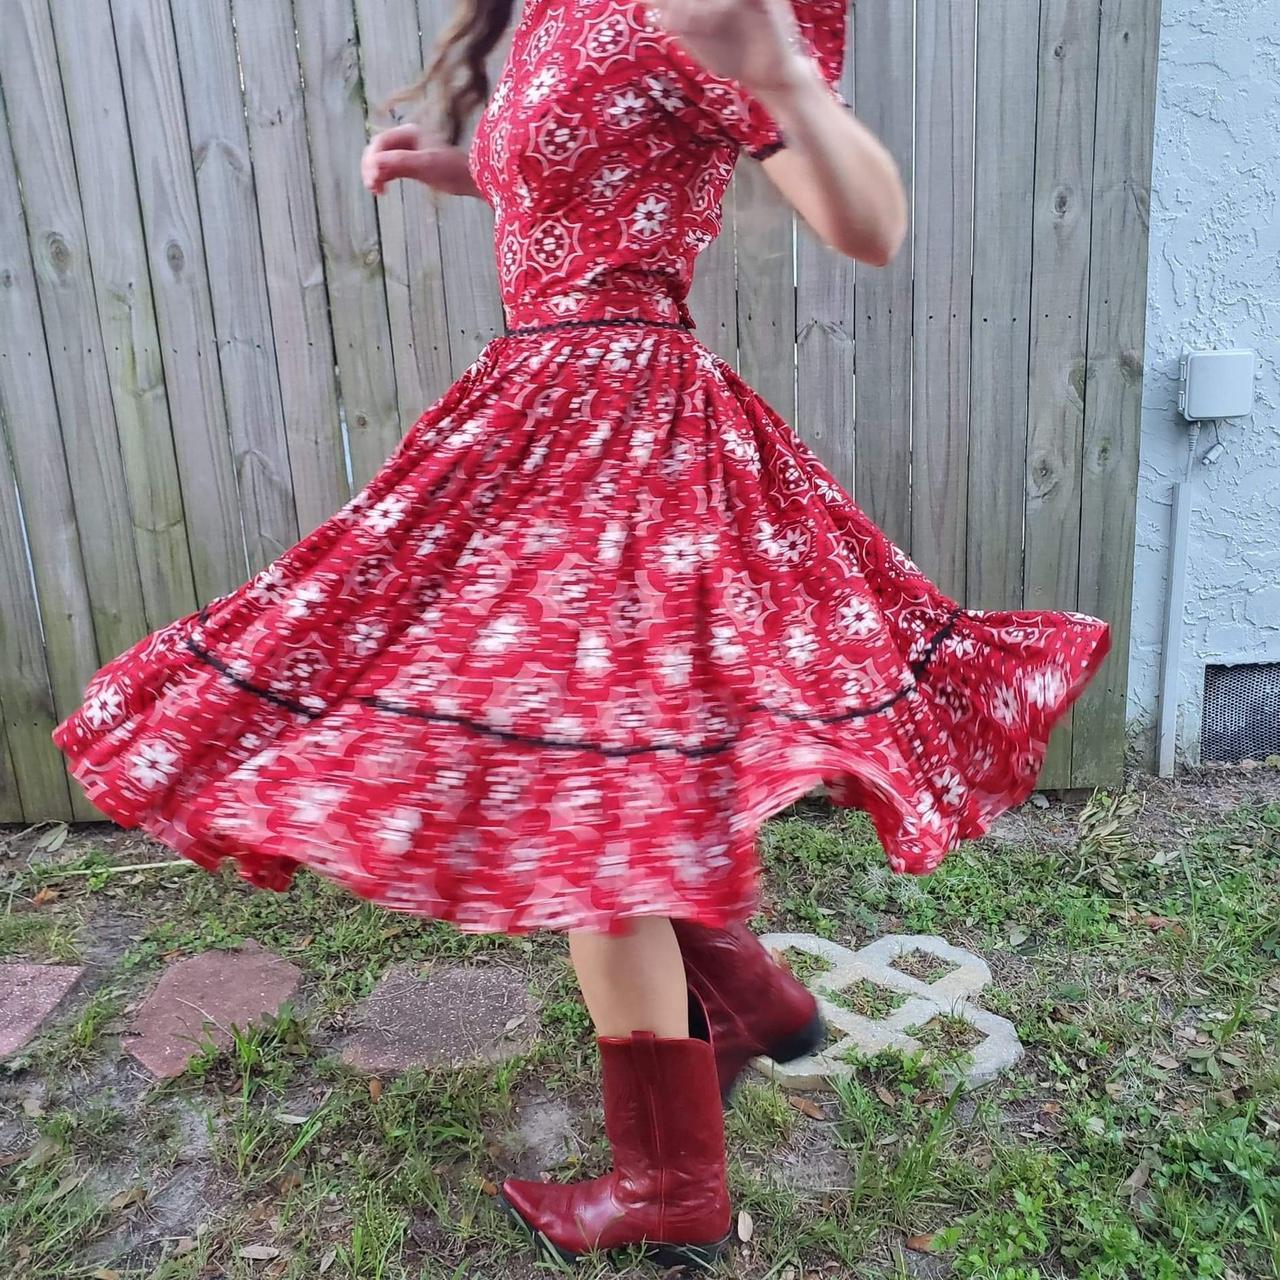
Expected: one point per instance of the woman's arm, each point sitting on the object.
(834, 171)
(405, 151)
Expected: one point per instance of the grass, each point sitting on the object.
(1138, 956)
(866, 999)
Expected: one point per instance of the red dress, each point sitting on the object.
(602, 613)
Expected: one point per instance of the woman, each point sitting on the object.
(601, 613)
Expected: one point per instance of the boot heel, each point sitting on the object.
(698, 1257)
(800, 1043)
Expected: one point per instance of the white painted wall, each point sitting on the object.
(1215, 282)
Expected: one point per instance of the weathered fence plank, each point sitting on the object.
(1059, 319)
(884, 52)
(335, 111)
(390, 54)
(825, 366)
(122, 288)
(764, 228)
(292, 255)
(72, 335)
(25, 700)
(10, 800)
(31, 445)
(945, 66)
(714, 296)
(1004, 171)
(466, 236)
(1128, 52)
(237, 276)
(180, 285)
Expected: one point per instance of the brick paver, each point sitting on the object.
(201, 998)
(29, 993)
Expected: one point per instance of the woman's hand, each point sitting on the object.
(755, 42)
(407, 151)
(836, 174)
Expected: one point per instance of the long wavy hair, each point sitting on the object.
(456, 80)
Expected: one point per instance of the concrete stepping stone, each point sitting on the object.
(911, 1002)
(29, 993)
(201, 998)
(445, 1018)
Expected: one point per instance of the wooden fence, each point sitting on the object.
(209, 333)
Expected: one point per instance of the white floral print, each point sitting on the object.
(154, 764)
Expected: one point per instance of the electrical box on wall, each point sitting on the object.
(1216, 384)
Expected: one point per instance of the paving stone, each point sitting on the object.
(29, 993)
(447, 1017)
(201, 998)
(952, 993)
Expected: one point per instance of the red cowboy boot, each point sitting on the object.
(667, 1190)
(754, 1006)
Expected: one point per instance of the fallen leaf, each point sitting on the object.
(54, 838)
(182, 1246)
(1137, 1179)
(32, 1109)
(1166, 1062)
(129, 1196)
(746, 1226)
(375, 1088)
(1114, 1089)
(920, 1244)
(104, 1273)
(1017, 936)
(327, 1261)
(42, 1153)
(512, 1023)
(885, 1096)
(489, 1188)
(1096, 1125)
(1164, 923)
(286, 1118)
(807, 1107)
(65, 1187)
(258, 1252)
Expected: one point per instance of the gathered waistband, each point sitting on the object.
(634, 322)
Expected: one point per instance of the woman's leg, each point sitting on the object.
(633, 981)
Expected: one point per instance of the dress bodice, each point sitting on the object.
(605, 151)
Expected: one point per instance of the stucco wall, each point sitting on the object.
(1215, 282)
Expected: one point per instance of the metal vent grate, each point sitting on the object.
(1241, 713)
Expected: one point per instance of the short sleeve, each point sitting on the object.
(723, 106)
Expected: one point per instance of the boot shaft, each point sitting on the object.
(753, 1003)
(664, 1122)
